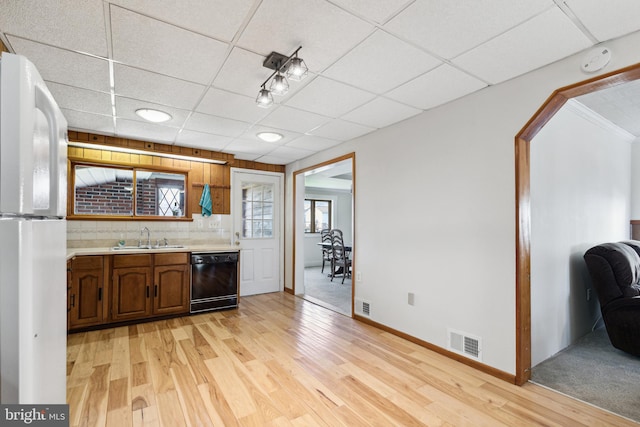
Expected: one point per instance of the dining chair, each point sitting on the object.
(340, 258)
(327, 251)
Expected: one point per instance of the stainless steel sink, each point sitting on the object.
(145, 247)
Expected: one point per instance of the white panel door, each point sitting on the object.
(257, 228)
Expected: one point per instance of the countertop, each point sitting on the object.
(71, 252)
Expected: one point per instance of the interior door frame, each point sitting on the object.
(352, 157)
(523, 203)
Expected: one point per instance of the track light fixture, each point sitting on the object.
(292, 66)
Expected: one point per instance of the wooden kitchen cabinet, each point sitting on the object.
(171, 283)
(131, 287)
(86, 298)
(148, 285)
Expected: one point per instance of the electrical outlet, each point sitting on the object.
(411, 298)
(358, 276)
(200, 224)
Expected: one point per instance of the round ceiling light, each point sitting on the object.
(269, 136)
(151, 115)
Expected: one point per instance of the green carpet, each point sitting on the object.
(593, 371)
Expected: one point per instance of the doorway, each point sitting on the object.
(523, 208)
(324, 200)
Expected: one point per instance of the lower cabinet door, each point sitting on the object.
(132, 293)
(171, 289)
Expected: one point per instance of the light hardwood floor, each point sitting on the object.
(280, 360)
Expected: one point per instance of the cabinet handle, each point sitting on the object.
(73, 300)
(147, 291)
(99, 294)
(155, 291)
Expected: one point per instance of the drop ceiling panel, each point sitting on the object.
(293, 119)
(230, 105)
(63, 66)
(83, 121)
(380, 112)
(250, 147)
(324, 31)
(79, 27)
(166, 49)
(242, 73)
(80, 99)
(393, 60)
(329, 98)
(540, 41)
(313, 143)
(376, 10)
(607, 19)
(448, 28)
(126, 109)
(215, 18)
(436, 87)
(145, 131)
(290, 153)
(341, 130)
(216, 125)
(372, 62)
(202, 140)
(151, 87)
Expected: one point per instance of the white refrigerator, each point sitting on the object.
(33, 186)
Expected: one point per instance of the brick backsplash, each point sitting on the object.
(211, 230)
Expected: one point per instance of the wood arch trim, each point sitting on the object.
(523, 204)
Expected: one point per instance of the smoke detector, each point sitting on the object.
(596, 59)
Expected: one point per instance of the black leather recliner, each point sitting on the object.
(615, 271)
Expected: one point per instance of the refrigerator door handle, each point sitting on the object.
(45, 103)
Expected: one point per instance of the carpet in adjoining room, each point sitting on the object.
(319, 289)
(593, 371)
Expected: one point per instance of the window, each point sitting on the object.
(317, 215)
(257, 210)
(101, 191)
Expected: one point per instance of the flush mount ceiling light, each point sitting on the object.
(292, 66)
(151, 115)
(269, 136)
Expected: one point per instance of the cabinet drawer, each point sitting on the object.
(172, 258)
(135, 260)
(87, 262)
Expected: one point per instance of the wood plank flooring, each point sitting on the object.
(282, 361)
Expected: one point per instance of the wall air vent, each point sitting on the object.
(363, 308)
(465, 344)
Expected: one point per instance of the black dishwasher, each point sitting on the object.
(214, 281)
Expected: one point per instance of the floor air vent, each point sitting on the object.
(465, 344)
(362, 308)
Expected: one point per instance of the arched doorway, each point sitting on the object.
(523, 207)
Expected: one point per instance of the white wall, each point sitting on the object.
(580, 196)
(435, 210)
(342, 219)
(635, 180)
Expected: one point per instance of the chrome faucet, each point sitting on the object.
(148, 237)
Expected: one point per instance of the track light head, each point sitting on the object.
(264, 99)
(297, 69)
